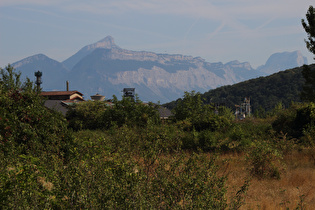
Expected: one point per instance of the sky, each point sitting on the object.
(216, 30)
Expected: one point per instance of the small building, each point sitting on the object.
(61, 100)
(129, 92)
(98, 97)
(164, 113)
(63, 95)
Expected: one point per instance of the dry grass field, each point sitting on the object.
(294, 190)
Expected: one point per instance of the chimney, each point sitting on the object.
(67, 85)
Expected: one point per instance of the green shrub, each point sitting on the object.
(86, 115)
(264, 161)
(297, 122)
(98, 115)
(26, 126)
(304, 122)
(201, 116)
(26, 184)
(211, 122)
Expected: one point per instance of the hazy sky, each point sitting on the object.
(216, 30)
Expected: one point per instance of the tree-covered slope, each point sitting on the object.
(264, 92)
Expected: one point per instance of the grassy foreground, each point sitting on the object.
(295, 189)
(164, 167)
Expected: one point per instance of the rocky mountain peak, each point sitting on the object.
(107, 43)
(282, 61)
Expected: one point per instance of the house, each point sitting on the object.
(61, 100)
(63, 95)
(165, 113)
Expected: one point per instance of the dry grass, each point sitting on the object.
(296, 186)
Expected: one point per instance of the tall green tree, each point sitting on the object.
(191, 106)
(308, 91)
(309, 28)
(26, 126)
(201, 116)
(10, 79)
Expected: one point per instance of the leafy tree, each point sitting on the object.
(308, 91)
(129, 111)
(202, 116)
(297, 122)
(310, 29)
(10, 79)
(191, 106)
(86, 115)
(26, 125)
(99, 115)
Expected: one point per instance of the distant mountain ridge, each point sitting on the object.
(282, 61)
(106, 43)
(105, 68)
(50, 68)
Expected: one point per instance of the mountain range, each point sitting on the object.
(105, 68)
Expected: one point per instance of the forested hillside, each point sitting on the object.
(264, 92)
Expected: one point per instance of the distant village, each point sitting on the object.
(61, 100)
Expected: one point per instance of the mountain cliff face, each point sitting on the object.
(105, 68)
(282, 61)
(155, 76)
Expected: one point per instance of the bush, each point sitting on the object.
(305, 120)
(297, 122)
(98, 115)
(26, 126)
(201, 116)
(86, 115)
(34, 144)
(264, 161)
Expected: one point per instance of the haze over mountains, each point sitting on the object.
(105, 68)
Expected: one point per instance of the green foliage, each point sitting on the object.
(308, 91)
(131, 112)
(33, 140)
(265, 92)
(309, 28)
(86, 115)
(10, 80)
(191, 108)
(26, 126)
(238, 137)
(264, 161)
(189, 183)
(284, 121)
(100, 115)
(305, 123)
(297, 122)
(141, 174)
(119, 182)
(25, 184)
